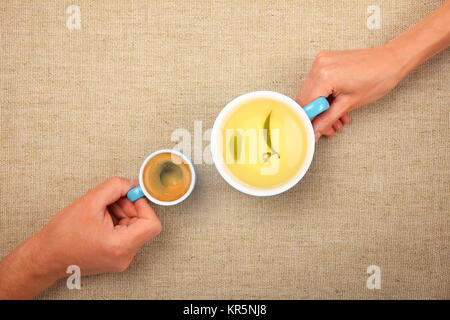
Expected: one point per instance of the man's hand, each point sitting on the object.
(99, 232)
(349, 79)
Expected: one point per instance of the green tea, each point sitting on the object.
(264, 143)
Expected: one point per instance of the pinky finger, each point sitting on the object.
(345, 119)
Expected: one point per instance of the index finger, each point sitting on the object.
(312, 89)
(112, 190)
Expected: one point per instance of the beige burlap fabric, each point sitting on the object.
(79, 106)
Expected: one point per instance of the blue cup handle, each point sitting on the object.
(135, 193)
(316, 107)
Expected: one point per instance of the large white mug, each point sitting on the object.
(304, 114)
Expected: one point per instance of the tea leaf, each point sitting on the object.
(235, 149)
(267, 155)
(267, 128)
(234, 145)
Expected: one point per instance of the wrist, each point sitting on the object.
(23, 273)
(43, 264)
(422, 41)
(400, 64)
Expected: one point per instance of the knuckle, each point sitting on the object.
(352, 104)
(321, 57)
(323, 54)
(324, 73)
(157, 227)
(118, 251)
(115, 180)
(114, 249)
(90, 193)
(122, 266)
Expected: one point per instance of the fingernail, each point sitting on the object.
(134, 181)
(317, 135)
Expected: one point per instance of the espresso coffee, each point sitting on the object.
(166, 177)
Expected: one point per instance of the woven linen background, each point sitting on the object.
(80, 106)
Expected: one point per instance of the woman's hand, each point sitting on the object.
(354, 78)
(349, 79)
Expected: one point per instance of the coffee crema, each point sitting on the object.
(167, 177)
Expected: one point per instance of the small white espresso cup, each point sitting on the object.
(304, 114)
(140, 191)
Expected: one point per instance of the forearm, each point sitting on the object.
(422, 41)
(23, 273)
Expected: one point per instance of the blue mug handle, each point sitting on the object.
(316, 107)
(135, 193)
